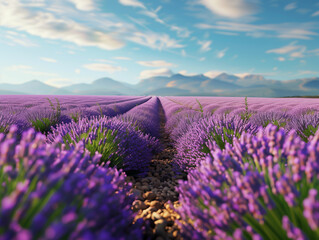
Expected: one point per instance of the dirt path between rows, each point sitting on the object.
(156, 191)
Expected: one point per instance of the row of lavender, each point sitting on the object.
(42, 112)
(71, 183)
(252, 168)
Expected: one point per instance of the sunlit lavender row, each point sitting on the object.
(250, 166)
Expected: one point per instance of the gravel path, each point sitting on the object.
(156, 193)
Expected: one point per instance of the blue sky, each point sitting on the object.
(62, 42)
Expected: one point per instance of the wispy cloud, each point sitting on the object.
(294, 51)
(230, 9)
(58, 82)
(213, 73)
(186, 73)
(181, 32)
(315, 14)
(19, 39)
(307, 72)
(285, 49)
(156, 72)
(280, 30)
(132, 3)
(154, 40)
(83, 5)
(221, 53)
(122, 58)
(153, 14)
(204, 45)
(50, 60)
(290, 6)
(103, 67)
(281, 59)
(46, 25)
(156, 63)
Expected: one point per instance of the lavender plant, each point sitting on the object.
(214, 131)
(261, 187)
(117, 142)
(43, 121)
(50, 193)
(306, 125)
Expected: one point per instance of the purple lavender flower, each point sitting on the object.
(52, 193)
(261, 181)
(117, 141)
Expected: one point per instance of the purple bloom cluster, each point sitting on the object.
(50, 193)
(213, 131)
(117, 141)
(145, 117)
(263, 186)
(42, 112)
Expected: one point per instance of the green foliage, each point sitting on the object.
(75, 116)
(276, 123)
(272, 228)
(4, 129)
(307, 132)
(56, 109)
(104, 142)
(44, 125)
(246, 115)
(221, 139)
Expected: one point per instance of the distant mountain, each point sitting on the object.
(102, 86)
(33, 87)
(178, 85)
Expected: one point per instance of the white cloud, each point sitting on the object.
(181, 32)
(315, 14)
(242, 75)
(294, 51)
(231, 9)
(18, 38)
(308, 72)
(156, 72)
(275, 68)
(186, 73)
(153, 14)
(83, 5)
(290, 6)
(202, 59)
(156, 63)
(222, 53)
(103, 67)
(280, 30)
(183, 53)
(281, 59)
(77, 71)
(286, 49)
(154, 40)
(205, 45)
(122, 58)
(212, 74)
(58, 82)
(132, 3)
(51, 60)
(46, 25)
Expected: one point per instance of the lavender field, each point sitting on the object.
(129, 167)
